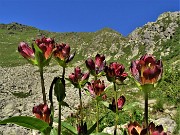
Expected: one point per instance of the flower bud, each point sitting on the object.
(25, 50)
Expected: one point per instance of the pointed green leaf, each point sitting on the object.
(54, 132)
(32, 61)
(69, 127)
(102, 73)
(100, 134)
(138, 84)
(147, 87)
(95, 124)
(64, 104)
(39, 56)
(62, 63)
(106, 104)
(28, 122)
(65, 133)
(82, 83)
(99, 98)
(59, 90)
(109, 87)
(46, 61)
(76, 85)
(127, 107)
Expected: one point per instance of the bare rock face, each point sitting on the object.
(154, 33)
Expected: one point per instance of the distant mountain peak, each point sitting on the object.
(16, 26)
(108, 30)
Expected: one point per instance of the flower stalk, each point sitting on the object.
(80, 101)
(147, 71)
(97, 111)
(97, 116)
(42, 85)
(116, 118)
(59, 120)
(146, 108)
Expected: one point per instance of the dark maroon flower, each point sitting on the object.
(156, 130)
(82, 129)
(120, 103)
(26, 51)
(62, 52)
(90, 64)
(96, 88)
(135, 129)
(42, 112)
(147, 70)
(115, 72)
(96, 66)
(46, 45)
(78, 78)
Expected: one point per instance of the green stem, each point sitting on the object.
(80, 100)
(59, 120)
(97, 111)
(97, 115)
(63, 73)
(146, 108)
(116, 118)
(42, 85)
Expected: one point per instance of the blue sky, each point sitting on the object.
(84, 15)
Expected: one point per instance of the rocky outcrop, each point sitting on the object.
(152, 34)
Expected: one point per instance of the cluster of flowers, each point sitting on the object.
(43, 49)
(146, 71)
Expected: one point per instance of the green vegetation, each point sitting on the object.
(87, 45)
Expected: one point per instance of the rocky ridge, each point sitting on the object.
(146, 39)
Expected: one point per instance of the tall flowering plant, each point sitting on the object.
(79, 79)
(39, 55)
(147, 71)
(62, 55)
(116, 74)
(96, 87)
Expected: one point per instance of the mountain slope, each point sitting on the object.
(159, 38)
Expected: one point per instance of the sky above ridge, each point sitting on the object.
(85, 15)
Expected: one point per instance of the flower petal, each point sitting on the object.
(90, 64)
(120, 102)
(99, 60)
(25, 50)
